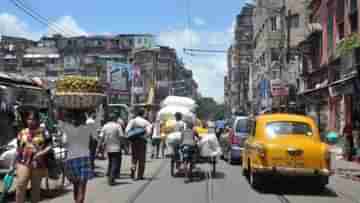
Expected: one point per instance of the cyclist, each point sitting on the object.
(188, 143)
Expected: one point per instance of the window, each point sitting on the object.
(341, 30)
(242, 126)
(287, 128)
(354, 22)
(353, 6)
(294, 21)
(275, 55)
(273, 22)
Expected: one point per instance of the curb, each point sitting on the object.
(142, 188)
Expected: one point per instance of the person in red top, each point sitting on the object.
(31, 162)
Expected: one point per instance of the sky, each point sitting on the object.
(179, 24)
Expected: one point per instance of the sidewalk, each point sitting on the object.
(343, 168)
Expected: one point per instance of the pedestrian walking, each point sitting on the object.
(156, 141)
(124, 143)
(78, 164)
(93, 142)
(113, 135)
(34, 143)
(138, 145)
(179, 127)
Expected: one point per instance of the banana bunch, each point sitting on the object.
(79, 84)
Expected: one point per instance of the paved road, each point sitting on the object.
(230, 186)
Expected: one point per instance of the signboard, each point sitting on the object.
(278, 89)
(118, 76)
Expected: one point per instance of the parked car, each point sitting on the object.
(284, 145)
(233, 144)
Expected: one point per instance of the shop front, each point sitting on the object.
(346, 100)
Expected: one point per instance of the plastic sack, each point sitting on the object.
(174, 138)
(179, 101)
(209, 146)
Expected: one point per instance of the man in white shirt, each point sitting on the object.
(138, 146)
(113, 135)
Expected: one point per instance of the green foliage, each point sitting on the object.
(208, 109)
(346, 46)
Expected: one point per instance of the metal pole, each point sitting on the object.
(283, 37)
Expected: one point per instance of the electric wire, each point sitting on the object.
(50, 22)
(37, 17)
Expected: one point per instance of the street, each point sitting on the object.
(229, 185)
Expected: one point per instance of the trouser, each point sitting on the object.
(93, 156)
(155, 148)
(163, 147)
(114, 164)
(138, 149)
(24, 174)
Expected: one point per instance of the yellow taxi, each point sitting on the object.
(285, 145)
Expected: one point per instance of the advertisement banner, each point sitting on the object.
(118, 76)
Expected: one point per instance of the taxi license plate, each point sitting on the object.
(299, 163)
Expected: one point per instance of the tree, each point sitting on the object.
(208, 109)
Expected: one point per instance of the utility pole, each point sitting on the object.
(283, 38)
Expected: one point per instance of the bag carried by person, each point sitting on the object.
(136, 133)
(174, 138)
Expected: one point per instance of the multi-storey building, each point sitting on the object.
(161, 74)
(239, 56)
(330, 77)
(278, 27)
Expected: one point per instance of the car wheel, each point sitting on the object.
(245, 171)
(255, 180)
(321, 183)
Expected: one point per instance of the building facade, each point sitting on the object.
(328, 73)
(239, 56)
(278, 29)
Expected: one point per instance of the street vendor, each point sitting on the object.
(78, 164)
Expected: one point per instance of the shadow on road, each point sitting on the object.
(54, 193)
(118, 183)
(296, 189)
(201, 175)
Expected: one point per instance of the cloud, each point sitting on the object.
(67, 25)
(12, 26)
(199, 21)
(179, 39)
(209, 69)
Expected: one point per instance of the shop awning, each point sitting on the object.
(346, 86)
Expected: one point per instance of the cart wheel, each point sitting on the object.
(172, 167)
(47, 185)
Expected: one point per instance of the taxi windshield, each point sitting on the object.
(284, 128)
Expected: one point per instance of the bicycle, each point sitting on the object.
(189, 160)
